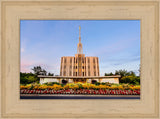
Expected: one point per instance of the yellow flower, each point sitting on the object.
(22, 87)
(65, 87)
(76, 87)
(102, 87)
(120, 87)
(136, 87)
(56, 87)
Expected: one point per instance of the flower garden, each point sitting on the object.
(81, 88)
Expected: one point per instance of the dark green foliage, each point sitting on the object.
(31, 87)
(97, 83)
(80, 87)
(62, 85)
(126, 76)
(109, 74)
(108, 84)
(51, 83)
(135, 80)
(39, 71)
(103, 83)
(50, 74)
(124, 73)
(27, 78)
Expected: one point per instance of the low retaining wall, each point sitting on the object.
(88, 80)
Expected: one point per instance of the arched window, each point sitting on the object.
(94, 81)
(64, 82)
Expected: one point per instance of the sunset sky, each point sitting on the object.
(115, 42)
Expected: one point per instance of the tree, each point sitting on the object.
(39, 71)
(124, 73)
(50, 74)
(131, 73)
(23, 80)
(121, 72)
(109, 74)
(43, 72)
(126, 76)
(135, 80)
(32, 79)
(27, 78)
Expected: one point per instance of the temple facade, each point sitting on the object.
(79, 68)
(79, 65)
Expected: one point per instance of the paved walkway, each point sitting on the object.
(58, 96)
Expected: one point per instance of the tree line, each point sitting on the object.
(27, 78)
(126, 76)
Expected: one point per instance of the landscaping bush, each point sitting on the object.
(97, 83)
(27, 78)
(51, 83)
(130, 79)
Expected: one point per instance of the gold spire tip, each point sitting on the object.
(79, 31)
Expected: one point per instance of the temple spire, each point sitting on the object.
(79, 34)
(79, 46)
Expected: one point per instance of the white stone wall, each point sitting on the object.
(110, 80)
(45, 80)
(89, 81)
(71, 81)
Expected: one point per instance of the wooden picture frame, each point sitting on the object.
(12, 11)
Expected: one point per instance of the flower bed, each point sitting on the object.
(81, 91)
(81, 88)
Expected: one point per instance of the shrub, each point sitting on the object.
(51, 83)
(135, 80)
(27, 78)
(97, 83)
(108, 84)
